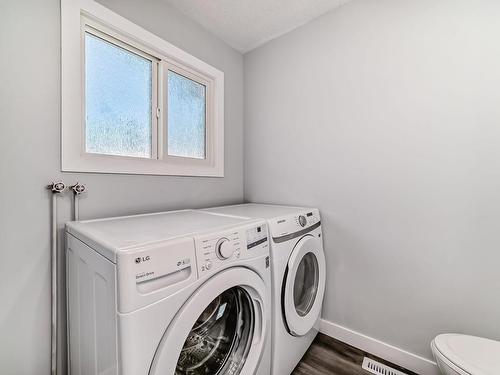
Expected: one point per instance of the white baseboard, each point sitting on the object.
(380, 349)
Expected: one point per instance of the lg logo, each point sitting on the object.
(142, 259)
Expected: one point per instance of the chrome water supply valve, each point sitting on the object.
(78, 188)
(57, 187)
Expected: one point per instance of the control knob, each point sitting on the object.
(224, 248)
(302, 220)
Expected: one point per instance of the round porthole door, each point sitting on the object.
(220, 330)
(304, 285)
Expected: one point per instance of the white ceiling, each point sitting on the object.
(247, 24)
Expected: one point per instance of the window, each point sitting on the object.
(132, 102)
(118, 100)
(186, 116)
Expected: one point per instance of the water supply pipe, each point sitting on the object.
(56, 188)
(77, 189)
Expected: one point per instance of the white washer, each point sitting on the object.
(183, 292)
(298, 274)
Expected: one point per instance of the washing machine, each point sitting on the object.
(298, 275)
(173, 293)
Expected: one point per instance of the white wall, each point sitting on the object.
(29, 159)
(386, 115)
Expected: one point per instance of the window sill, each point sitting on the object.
(95, 163)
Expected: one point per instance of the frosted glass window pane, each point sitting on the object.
(118, 100)
(186, 117)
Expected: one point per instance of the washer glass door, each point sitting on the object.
(221, 329)
(219, 341)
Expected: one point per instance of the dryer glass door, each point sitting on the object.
(219, 341)
(304, 285)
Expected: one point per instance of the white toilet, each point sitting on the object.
(466, 355)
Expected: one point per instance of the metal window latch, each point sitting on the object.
(78, 188)
(56, 187)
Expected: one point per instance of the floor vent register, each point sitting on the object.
(378, 368)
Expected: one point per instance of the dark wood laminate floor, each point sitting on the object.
(328, 356)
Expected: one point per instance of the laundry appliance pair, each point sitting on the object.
(192, 292)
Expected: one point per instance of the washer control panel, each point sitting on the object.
(256, 236)
(215, 250)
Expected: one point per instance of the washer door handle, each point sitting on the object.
(258, 324)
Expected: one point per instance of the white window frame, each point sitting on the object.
(80, 16)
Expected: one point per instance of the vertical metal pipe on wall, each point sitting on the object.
(54, 276)
(56, 188)
(78, 189)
